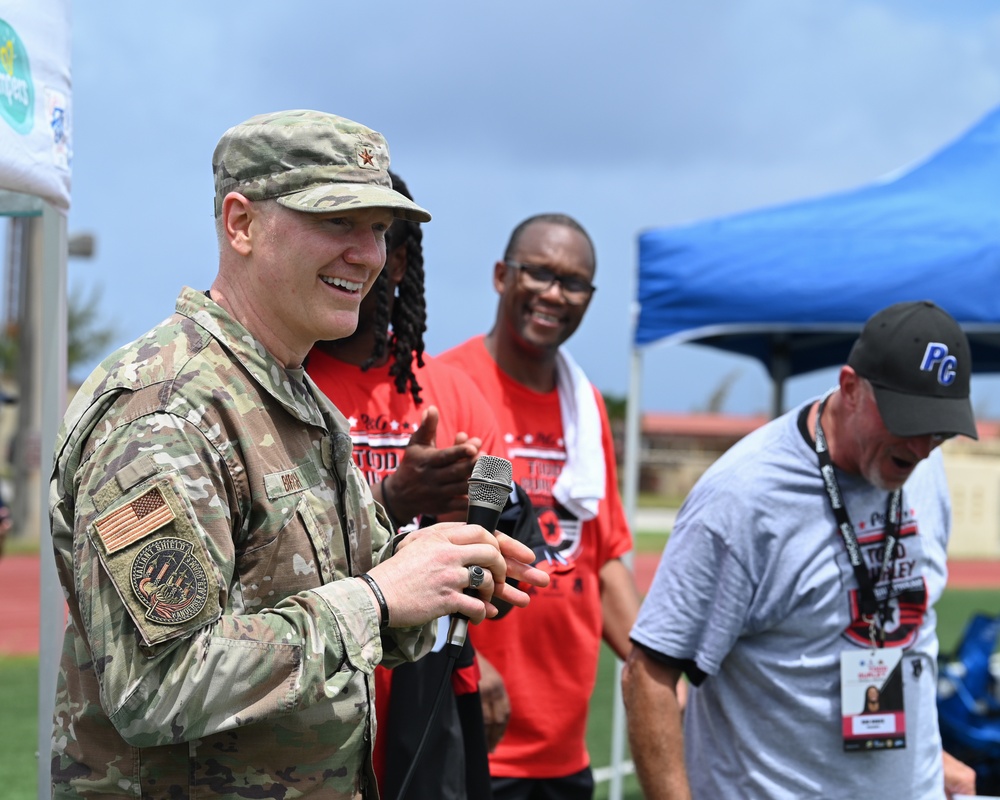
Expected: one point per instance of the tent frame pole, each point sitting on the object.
(44, 388)
(631, 494)
(49, 253)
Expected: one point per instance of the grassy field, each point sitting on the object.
(649, 542)
(19, 731)
(19, 692)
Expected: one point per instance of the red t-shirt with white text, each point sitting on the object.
(547, 653)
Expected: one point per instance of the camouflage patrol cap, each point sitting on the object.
(308, 161)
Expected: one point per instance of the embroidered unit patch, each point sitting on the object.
(169, 581)
(123, 526)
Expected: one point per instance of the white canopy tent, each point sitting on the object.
(35, 158)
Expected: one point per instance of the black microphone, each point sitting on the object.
(489, 487)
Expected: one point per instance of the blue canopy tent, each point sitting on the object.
(792, 285)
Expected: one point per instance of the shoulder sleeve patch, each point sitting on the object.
(131, 522)
(169, 581)
(156, 556)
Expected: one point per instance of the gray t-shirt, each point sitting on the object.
(756, 588)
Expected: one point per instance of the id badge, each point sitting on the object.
(871, 699)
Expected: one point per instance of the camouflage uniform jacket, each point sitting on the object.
(205, 507)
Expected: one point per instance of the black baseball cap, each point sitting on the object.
(917, 359)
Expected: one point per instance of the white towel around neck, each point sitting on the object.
(581, 484)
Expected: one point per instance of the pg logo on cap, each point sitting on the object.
(936, 357)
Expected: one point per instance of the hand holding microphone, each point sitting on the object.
(489, 488)
(419, 582)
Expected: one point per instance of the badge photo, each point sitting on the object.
(871, 698)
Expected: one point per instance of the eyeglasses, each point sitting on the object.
(938, 438)
(538, 278)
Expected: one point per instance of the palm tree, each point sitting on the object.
(87, 335)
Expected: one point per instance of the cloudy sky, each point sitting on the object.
(628, 115)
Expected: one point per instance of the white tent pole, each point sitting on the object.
(43, 385)
(49, 258)
(630, 481)
(630, 476)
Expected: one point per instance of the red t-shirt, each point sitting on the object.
(547, 653)
(382, 421)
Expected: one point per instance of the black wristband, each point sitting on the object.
(393, 519)
(383, 606)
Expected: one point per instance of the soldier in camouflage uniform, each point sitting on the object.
(210, 525)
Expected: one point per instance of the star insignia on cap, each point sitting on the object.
(366, 156)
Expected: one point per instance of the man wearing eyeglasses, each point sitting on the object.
(557, 436)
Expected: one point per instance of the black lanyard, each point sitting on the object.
(872, 611)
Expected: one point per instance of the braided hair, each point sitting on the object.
(409, 309)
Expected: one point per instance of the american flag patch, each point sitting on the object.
(132, 521)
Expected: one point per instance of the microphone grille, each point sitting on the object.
(493, 468)
(490, 481)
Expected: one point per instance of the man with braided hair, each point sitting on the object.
(399, 404)
(408, 317)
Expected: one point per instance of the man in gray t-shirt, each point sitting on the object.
(803, 570)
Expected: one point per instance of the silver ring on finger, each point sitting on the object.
(476, 576)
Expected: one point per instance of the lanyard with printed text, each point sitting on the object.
(872, 611)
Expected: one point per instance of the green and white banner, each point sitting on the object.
(36, 142)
